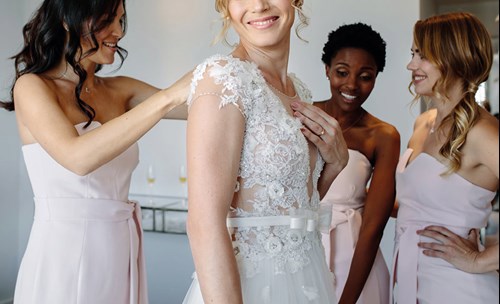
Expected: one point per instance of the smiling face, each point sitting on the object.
(352, 73)
(262, 23)
(424, 73)
(107, 39)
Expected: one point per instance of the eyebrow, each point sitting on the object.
(367, 67)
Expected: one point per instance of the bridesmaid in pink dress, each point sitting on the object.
(79, 133)
(353, 57)
(449, 174)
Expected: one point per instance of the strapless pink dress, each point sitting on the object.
(426, 198)
(85, 244)
(347, 196)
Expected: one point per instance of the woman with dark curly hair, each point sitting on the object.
(79, 134)
(354, 55)
(449, 173)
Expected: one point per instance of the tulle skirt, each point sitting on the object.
(311, 284)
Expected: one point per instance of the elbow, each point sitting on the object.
(79, 167)
(81, 171)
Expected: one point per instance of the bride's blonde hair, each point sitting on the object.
(221, 6)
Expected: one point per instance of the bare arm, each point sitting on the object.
(378, 207)
(214, 143)
(461, 252)
(143, 91)
(83, 154)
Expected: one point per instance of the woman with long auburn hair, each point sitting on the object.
(449, 174)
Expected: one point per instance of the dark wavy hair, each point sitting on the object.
(45, 42)
(356, 35)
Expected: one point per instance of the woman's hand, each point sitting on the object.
(324, 132)
(458, 251)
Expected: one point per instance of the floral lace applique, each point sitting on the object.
(274, 171)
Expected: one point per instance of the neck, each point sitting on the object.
(344, 118)
(272, 62)
(65, 71)
(445, 106)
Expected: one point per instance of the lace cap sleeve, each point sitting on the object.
(220, 76)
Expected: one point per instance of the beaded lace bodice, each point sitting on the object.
(277, 174)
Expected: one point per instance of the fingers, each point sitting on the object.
(315, 119)
(473, 235)
(433, 250)
(323, 131)
(438, 236)
(441, 234)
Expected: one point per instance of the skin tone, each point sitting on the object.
(480, 151)
(479, 164)
(126, 107)
(352, 74)
(264, 30)
(462, 253)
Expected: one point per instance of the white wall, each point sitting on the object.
(10, 157)
(168, 38)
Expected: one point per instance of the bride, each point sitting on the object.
(257, 154)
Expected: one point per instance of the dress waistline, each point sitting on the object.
(406, 259)
(301, 219)
(83, 209)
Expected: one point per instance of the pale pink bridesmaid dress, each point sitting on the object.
(347, 197)
(85, 244)
(427, 198)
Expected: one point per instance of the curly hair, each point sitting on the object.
(356, 35)
(459, 45)
(221, 6)
(55, 31)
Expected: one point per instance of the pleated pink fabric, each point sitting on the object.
(85, 245)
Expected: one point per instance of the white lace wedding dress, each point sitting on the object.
(274, 223)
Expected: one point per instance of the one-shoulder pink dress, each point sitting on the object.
(347, 196)
(85, 244)
(427, 198)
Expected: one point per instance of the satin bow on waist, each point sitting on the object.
(353, 218)
(84, 209)
(300, 219)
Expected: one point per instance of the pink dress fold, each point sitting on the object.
(427, 198)
(347, 196)
(85, 245)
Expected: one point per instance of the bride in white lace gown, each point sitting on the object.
(253, 172)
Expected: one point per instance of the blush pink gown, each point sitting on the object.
(426, 198)
(85, 244)
(347, 196)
